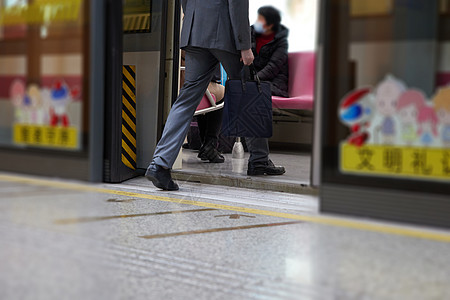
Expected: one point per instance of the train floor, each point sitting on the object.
(297, 166)
(63, 239)
(233, 172)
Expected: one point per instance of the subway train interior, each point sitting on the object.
(291, 144)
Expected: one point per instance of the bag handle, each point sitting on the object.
(253, 76)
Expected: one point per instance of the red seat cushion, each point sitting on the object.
(301, 82)
(205, 103)
(301, 102)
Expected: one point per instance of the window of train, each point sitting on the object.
(300, 16)
(43, 82)
(393, 57)
(137, 16)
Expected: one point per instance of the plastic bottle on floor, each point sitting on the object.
(238, 149)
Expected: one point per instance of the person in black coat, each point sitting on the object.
(270, 48)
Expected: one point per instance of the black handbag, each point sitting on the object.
(248, 107)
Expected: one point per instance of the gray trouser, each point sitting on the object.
(200, 66)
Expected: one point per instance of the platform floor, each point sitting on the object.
(70, 240)
(234, 172)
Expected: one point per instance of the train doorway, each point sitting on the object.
(291, 144)
(145, 72)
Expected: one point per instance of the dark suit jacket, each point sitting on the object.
(216, 24)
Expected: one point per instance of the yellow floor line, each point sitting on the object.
(353, 224)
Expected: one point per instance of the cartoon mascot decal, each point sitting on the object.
(60, 97)
(356, 111)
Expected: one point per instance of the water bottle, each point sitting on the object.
(238, 149)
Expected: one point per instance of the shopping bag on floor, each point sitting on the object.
(248, 106)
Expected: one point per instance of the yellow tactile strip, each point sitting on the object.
(323, 220)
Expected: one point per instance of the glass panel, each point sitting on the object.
(445, 6)
(42, 67)
(390, 92)
(360, 8)
(294, 13)
(137, 16)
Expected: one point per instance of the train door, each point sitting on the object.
(136, 90)
(291, 143)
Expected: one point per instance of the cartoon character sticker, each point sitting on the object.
(356, 111)
(373, 116)
(17, 95)
(428, 124)
(34, 105)
(60, 98)
(30, 104)
(442, 106)
(38, 107)
(409, 105)
(37, 110)
(59, 101)
(387, 94)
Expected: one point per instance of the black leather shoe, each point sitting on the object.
(209, 152)
(267, 168)
(161, 178)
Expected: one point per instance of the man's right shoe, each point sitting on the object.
(161, 178)
(209, 152)
(267, 168)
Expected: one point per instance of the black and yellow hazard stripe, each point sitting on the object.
(129, 116)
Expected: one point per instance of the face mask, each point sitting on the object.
(259, 27)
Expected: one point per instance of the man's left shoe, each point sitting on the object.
(267, 168)
(161, 178)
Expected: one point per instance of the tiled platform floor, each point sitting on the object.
(69, 240)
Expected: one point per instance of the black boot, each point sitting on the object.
(209, 152)
(161, 178)
(264, 168)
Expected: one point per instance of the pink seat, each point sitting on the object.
(205, 103)
(301, 83)
(208, 104)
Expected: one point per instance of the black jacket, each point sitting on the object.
(272, 61)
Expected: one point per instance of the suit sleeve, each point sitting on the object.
(240, 23)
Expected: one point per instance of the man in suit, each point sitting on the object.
(214, 31)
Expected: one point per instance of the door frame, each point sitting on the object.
(113, 168)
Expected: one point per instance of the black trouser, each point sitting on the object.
(209, 126)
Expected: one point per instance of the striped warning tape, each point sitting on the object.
(129, 116)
